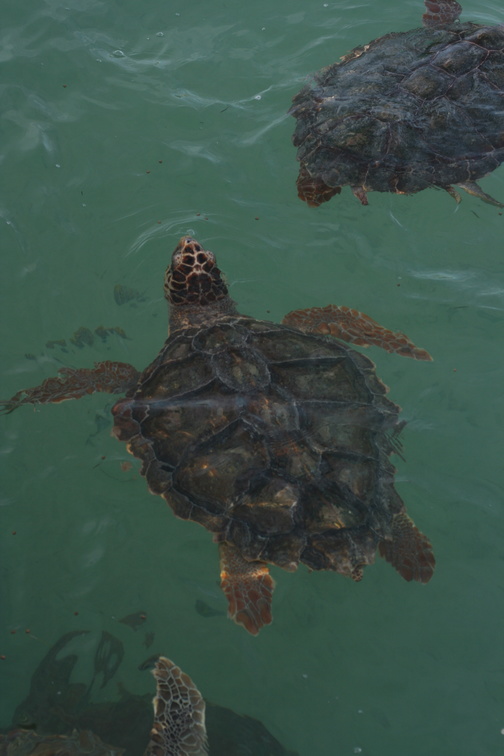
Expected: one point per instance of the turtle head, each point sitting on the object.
(193, 277)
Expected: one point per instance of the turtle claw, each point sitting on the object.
(409, 551)
(74, 383)
(471, 187)
(248, 587)
(354, 327)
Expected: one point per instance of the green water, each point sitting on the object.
(124, 126)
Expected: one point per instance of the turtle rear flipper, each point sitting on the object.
(314, 191)
(471, 187)
(74, 383)
(409, 551)
(179, 714)
(355, 327)
(248, 587)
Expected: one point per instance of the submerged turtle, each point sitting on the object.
(274, 437)
(411, 110)
(178, 728)
(60, 702)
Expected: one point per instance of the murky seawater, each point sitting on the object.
(126, 125)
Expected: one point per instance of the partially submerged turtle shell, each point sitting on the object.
(405, 112)
(275, 440)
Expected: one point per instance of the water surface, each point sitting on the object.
(126, 125)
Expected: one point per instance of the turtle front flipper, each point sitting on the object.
(355, 327)
(248, 587)
(409, 550)
(74, 383)
(179, 714)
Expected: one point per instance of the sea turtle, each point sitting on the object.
(178, 728)
(274, 437)
(60, 702)
(411, 110)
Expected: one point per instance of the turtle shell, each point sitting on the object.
(403, 113)
(275, 440)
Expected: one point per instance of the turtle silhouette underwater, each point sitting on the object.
(178, 728)
(408, 111)
(274, 437)
(59, 702)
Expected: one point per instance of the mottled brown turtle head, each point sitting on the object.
(439, 13)
(193, 277)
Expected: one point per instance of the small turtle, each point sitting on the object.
(59, 702)
(178, 728)
(408, 111)
(274, 437)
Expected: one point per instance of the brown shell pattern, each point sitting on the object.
(274, 440)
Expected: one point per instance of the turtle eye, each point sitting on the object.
(176, 260)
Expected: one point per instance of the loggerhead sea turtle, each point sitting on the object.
(59, 701)
(408, 111)
(178, 728)
(276, 438)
